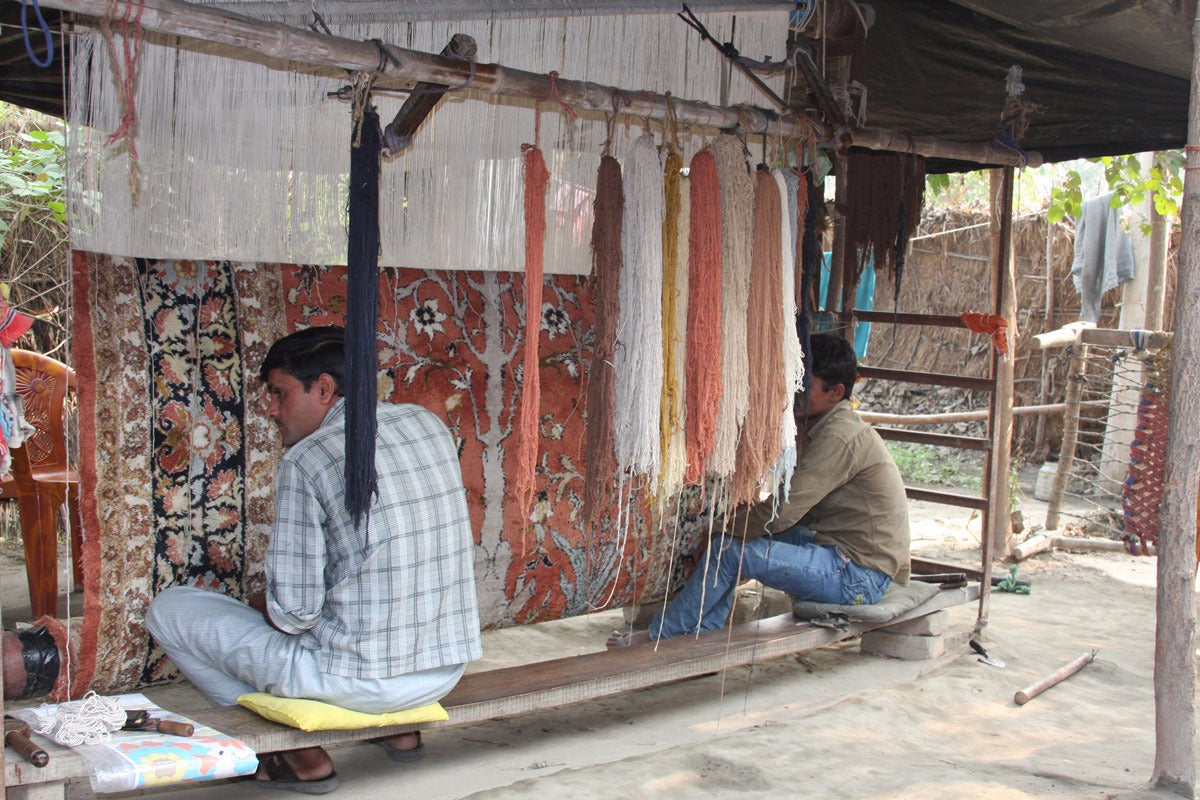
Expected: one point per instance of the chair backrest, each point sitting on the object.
(43, 384)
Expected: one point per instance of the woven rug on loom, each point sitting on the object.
(178, 459)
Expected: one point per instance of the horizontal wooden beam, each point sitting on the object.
(286, 47)
(947, 499)
(1110, 337)
(932, 378)
(935, 439)
(932, 320)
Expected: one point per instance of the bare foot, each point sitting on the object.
(403, 742)
(621, 639)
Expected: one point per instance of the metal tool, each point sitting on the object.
(142, 721)
(984, 655)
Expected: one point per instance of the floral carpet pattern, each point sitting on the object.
(180, 486)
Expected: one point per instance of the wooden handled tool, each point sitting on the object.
(1058, 676)
(173, 728)
(16, 736)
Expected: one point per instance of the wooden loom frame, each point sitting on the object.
(331, 56)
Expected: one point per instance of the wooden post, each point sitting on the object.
(1175, 642)
(837, 255)
(1076, 375)
(1004, 299)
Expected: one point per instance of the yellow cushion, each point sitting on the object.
(313, 715)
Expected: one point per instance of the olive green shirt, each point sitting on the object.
(847, 490)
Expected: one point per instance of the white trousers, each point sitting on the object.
(226, 649)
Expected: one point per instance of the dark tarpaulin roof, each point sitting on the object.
(1105, 76)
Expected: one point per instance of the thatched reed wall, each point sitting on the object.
(948, 273)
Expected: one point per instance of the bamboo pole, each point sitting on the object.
(1044, 374)
(286, 47)
(1156, 277)
(1175, 642)
(1076, 374)
(878, 418)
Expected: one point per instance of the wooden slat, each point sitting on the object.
(947, 499)
(925, 566)
(887, 317)
(517, 690)
(936, 439)
(934, 378)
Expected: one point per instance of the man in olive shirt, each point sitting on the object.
(839, 536)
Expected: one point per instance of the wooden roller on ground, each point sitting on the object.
(1058, 676)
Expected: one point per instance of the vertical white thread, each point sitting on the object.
(219, 136)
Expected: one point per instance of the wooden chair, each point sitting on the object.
(42, 477)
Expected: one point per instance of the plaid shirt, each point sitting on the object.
(397, 595)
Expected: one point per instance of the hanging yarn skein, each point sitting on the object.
(675, 328)
(760, 443)
(601, 460)
(793, 356)
(737, 201)
(362, 311)
(703, 385)
(639, 327)
(537, 179)
(672, 410)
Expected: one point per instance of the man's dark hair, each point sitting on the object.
(308, 353)
(833, 360)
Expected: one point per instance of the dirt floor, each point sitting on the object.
(828, 723)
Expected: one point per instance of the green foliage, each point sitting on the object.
(1128, 183)
(1067, 199)
(928, 465)
(32, 174)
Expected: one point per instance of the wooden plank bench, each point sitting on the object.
(515, 690)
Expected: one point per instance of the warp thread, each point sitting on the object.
(674, 452)
(737, 195)
(90, 720)
(760, 442)
(639, 327)
(362, 312)
(703, 385)
(124, 74)
(600, 460)
(809, 256)
(537, 179)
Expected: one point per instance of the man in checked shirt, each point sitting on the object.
(376, 617)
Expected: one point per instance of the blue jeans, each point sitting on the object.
(788, 561)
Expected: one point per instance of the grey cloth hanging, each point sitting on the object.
(1103, 255)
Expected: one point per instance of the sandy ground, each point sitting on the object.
(828, 723)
